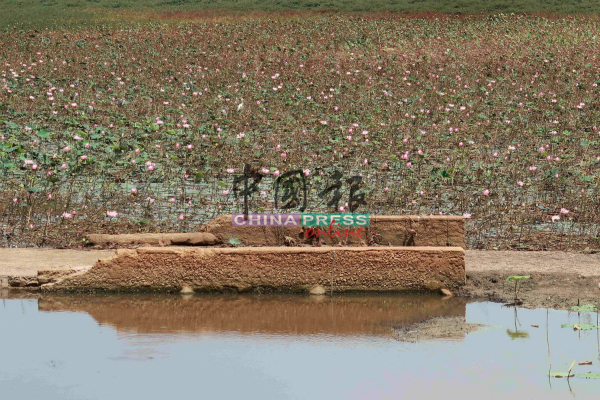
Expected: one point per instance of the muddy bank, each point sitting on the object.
(558, 279)
(447, 327)
(543, 290)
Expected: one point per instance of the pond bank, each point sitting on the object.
(558, 279)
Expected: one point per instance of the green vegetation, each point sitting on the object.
(143, 128)
(591, 375)
(517, 279)
(42, 13)
(580, 327)
(567, 374)
(585, 308)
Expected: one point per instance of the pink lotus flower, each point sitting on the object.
(265, 170)
(111, 214)
(67, 215)
(134, 190)
(486, 192)
(230, 170)
(555, 218)
(520, 183)
(564, 211)
(181, 217)
(466, 215)
(276, 173)
(283, 155)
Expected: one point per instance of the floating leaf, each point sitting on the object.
(590, 375)
(582, 327)
(517, 277)
(585, 308)
(235, 241)
(585, 363)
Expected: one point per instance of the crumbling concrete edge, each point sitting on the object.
(71, 273)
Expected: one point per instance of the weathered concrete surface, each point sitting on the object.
(388, 230)
(165, 239)
(273, 268)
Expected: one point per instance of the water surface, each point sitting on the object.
(283, 347)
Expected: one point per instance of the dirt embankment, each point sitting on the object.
(558, 279)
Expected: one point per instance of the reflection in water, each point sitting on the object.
(281, 347)
(273, 314)
(516, 334)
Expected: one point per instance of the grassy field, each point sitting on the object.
(43, 13)
(143, 128)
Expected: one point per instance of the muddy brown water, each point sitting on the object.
(286, 347)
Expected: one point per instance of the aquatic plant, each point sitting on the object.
(580, 327)
(590, 375)
(585, 308)
(517, 279)
(567, 374)
(493, 118)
